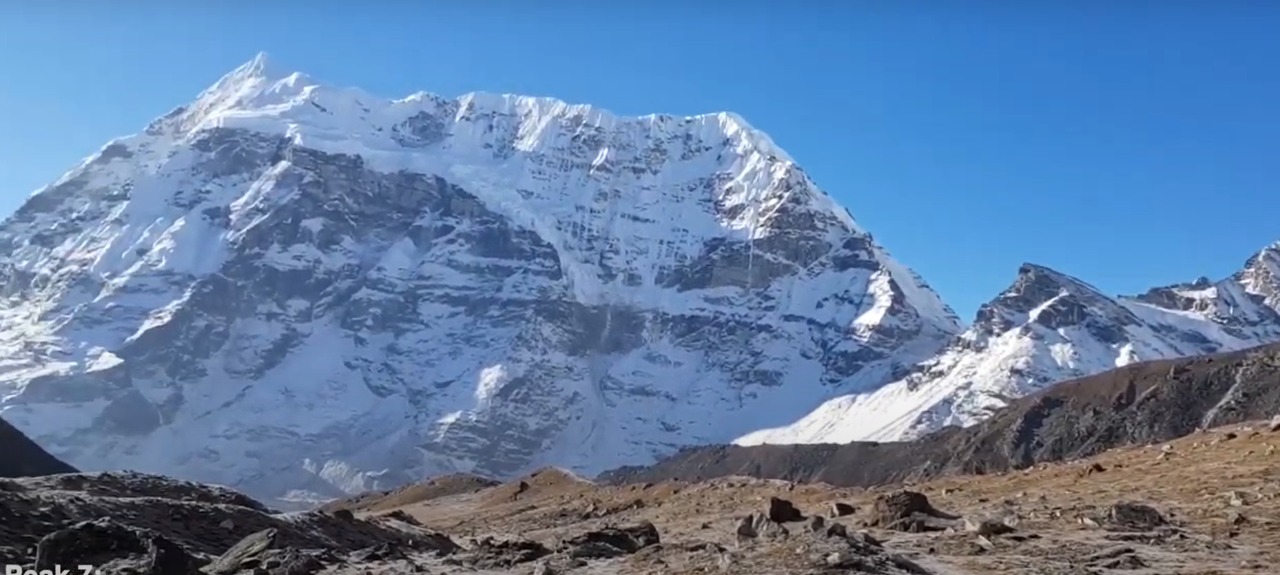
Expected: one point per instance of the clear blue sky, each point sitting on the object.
(1130, 146)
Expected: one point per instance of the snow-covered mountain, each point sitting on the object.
(301, 290)
(1046, 328)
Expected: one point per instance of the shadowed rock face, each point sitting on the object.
(21, 457)
(1143, 403)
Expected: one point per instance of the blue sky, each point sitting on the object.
(1130, 146)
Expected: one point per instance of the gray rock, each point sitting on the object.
(1135, 516)
(745, 528)
(768, 528)
(247, 553)
(986, 527)
(114, 549)
(490, 553)
(908, 511)
(612, 541)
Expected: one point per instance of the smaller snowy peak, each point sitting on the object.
(1261, 276)
(1034, 278)
(1249, 298)
(1045, 296)
(260, 66)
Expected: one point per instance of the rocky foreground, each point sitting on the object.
(1206, 503)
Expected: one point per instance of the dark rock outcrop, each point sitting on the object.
(840, 509)
(783, 511)
(907, 511)
(1135, 516)
(23, 458)
(612, 541)
(1137, 404)
(491, 553)
(114, 548)
(162, 525)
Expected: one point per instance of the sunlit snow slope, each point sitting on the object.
(1046, 328)
(304, 291)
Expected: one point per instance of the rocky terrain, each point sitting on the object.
(1204, 504)
(1137, 404)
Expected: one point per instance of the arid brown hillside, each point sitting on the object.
(1214, 495)
(1137, 404)
(21, 457)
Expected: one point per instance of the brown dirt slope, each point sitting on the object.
(443, 486)
(21, 457)
(1142, 403)
(1219, 491)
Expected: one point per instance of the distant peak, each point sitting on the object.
(261, 69)
(1042, 282)
(1269, 255)
(1272, 251)
(1261, 275)
(1030, 270)
(259, 66)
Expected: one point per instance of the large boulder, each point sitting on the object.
(908, 511)
(114, 549)
(612, 541)
(1135, 516)
(783, 511)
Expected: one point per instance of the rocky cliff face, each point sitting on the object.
(303, 291)
(1049, 327)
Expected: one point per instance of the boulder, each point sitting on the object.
(783, 511)
(1135, 516)
(768, 528)
(490, 553)
(612, 541)
(908, 511)
(839, 509)
(114, 548)
(987, 527)
(246, 554)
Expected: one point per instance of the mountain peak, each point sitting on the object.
(261, 69)
(1037, 292)
(1261, 276)
(1268, 254)
(635, 261)
(260, 65)
(1039, 278)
